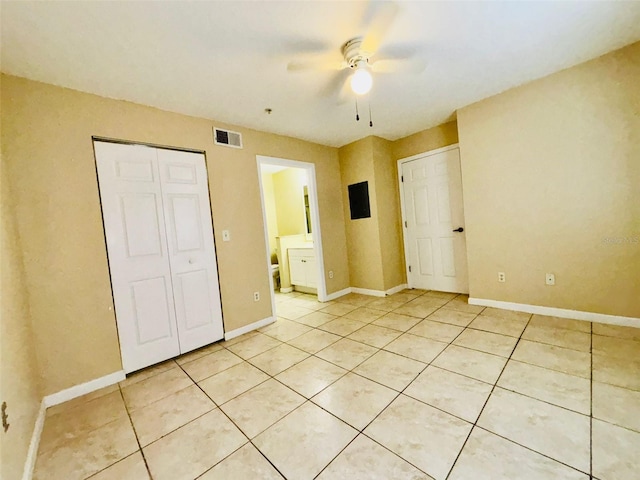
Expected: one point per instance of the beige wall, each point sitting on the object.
(270, 213)
(19, 380)
(288, 187)
(363, 239)
(425, 140)
(389, 216)
(551, 172)
(46, 142)
(375, 245)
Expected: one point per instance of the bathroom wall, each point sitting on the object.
(288, 192)
(270, 213)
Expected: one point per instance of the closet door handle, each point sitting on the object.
(459, 229)
(191, 261)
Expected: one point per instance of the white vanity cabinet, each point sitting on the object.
(302, 267)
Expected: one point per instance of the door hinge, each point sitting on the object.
(409, 268)
(405, 224)
(402, 178)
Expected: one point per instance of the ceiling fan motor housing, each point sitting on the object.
(353, 53)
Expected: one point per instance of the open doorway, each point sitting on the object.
(292, 227)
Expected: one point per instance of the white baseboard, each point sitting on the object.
(367, 291)
(302, 289)
(32, 453)
(338, 294)
(379, 293)
(248, 328)
(286, 290)
(396, 289)
(83, 389)
(559, 312)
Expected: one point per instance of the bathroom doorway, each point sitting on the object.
(292, 228)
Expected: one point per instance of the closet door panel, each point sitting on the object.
(192, 255)
(138, 255)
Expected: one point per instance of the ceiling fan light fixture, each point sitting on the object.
(361, 81)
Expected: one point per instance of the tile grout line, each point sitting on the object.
(135, 432)
(407, 386)
(402, 332)
(348, 371)
(399, 393)
(360, 431)
(555, 460)
(249, 440)
(473, 426)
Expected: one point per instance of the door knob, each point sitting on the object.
(191, 260)
(459, 229)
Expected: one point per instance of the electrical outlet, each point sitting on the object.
(330, 273)
(502, 277)
(226, 236)
(256, 296)
(550, 279)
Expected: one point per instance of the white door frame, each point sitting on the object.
(402, 205)
(310, 168)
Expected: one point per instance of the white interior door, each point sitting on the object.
(192, 256)
(433, 213)
(157, 217)
(138, 257)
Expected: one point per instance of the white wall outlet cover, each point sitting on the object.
(550, 279)
(502, 277)
(226, 236)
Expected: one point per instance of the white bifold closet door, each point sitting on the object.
(157, 218)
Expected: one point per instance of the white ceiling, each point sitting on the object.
(227, 60)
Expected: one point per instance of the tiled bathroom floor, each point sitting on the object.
(418, 385)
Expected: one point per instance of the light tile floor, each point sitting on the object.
(367, 387)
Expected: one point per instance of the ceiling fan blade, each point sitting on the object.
(302, 46)
(414, 65)
(382, 15)
(322, 63)
(334, 85)
(345, 94)
(396, 52)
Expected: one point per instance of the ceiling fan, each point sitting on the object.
(361, 56)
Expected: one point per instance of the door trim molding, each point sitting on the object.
(558, 312)
(83, 388)
(315, 221)
(249, 328)
(403, 216)
(428, 153)
(34, 444)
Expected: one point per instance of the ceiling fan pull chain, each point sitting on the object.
(370, 120)
(357, 115)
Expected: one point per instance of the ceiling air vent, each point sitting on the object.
(227, 137)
